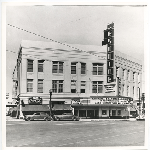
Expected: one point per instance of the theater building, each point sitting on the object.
(76, 74)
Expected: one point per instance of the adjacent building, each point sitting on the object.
(76, 74)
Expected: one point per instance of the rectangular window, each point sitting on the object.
(133, 90)
(40, 86)
(73, 86)
(57, 67)
(123, 89)
(40, 65)
(127, 90)
(117, 71)
(73, 68)
(128, 74)
(29, 65)
(83, 68)
(119, 112)
(113, 112)
(97, 87)
(97, 69)
(123, 73)
(133, 76)
(104, 112)
(57, 86)
(29, 85)
(83, 85)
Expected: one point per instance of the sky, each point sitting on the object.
(74, 25)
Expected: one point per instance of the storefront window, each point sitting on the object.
(119, 112)
(113, 112)
(82, 113)
(104, 112)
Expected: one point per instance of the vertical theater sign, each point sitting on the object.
(110, 87)
(109, 41)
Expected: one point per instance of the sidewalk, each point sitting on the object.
(131, 119)
(8, 118)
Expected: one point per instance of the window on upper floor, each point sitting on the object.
(29, 65)
(123, 89)
(29, 85)
(40, 65)
(40, 86)
(97, 69)
(97, 87)
(83, 68)
(128, 73)
(73, 67)
(127, 90)
(123, 73)
(133, 76)
(117, 71)
(73, 86)
(57, 86)
(83, 85)
(57, 67)
(133, 90)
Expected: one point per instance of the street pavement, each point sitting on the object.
(104, 133)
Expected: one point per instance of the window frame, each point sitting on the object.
(83, 87)
(59, 67)
(30, 65)
(73, 67)
(105, 112)
(29, 82)
(39, 89)
(56, 88)
(40, 65)
(96, 85)
(83, 68)
(98, 69)
(73, 84)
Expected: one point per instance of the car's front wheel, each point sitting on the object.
(28, 119)
(46, 119)
(57, 119)
(74, 119)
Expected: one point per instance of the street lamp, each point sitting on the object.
(50, 109)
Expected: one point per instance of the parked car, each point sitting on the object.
(66, 116)
(38, 116)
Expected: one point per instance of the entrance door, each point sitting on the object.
(90, 114)
(96, 114)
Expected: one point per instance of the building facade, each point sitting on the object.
(76, 74)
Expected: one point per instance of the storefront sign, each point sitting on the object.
(35, 100)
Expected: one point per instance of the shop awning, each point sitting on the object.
(35, 108)
(62, 107)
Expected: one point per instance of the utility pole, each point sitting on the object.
(50, 108)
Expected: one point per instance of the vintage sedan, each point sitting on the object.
(38, 116)
(66, 116)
